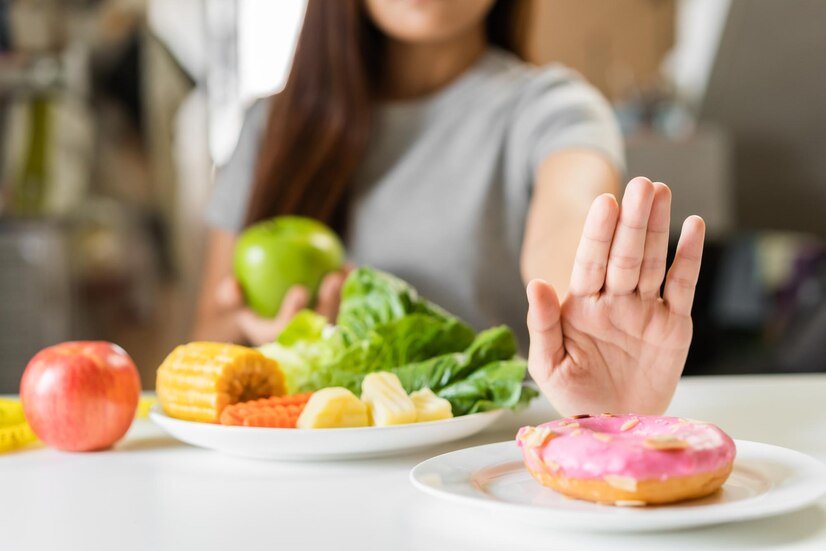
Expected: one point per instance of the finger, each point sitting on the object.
(297, 298)
(652, 269)
(628, 245)
(682, 277)
(588, 274)
(329, 294)
(258, 330)
(546, 348)
(228, 294)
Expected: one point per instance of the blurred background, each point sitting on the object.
(115, 113)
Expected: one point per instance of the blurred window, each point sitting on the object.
(239, 50)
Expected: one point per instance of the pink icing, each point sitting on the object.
(579, 450)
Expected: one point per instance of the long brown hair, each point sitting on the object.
(319, 124)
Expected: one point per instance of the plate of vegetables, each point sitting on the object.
(393, 374)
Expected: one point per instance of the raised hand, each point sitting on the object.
(615, 344)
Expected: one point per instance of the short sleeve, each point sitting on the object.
(227, 206)
(559, 110)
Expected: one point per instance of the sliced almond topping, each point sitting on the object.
(571, 425)
(534, 455)
(552, 465)
(534, 437)
(580, 416)
(524, 432)
(624, 483)
(630, 503)
(665, 442)
(630, 424)
(601, 436)
(575, 432)
(606, 414)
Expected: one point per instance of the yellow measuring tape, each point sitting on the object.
(14, 430)
(16, 433)
(144, 406)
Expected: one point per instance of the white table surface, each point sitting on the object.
(151, 493)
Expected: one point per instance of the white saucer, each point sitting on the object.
(766, 480)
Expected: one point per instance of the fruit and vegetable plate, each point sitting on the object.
(394, 373)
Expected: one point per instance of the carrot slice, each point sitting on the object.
(275, 412)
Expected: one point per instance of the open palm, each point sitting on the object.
(615, 344)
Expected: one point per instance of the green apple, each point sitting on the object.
(274, 255)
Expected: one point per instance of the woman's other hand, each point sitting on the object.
(258, 330)
(222, 315)
(614, 343)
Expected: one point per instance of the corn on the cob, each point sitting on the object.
(333, 408)
(386, 400)
(198, 380)
(430, 407)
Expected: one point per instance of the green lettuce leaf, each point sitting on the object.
(409, 339)
(417, 337)
(314, 355)
(496, 343)
(436, 373)
(306, 326)
(303, 348)
(383, 325)
(371, 298)
(497, 385)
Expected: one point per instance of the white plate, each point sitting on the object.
(322, 444)
(766, 480)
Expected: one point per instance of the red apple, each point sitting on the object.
(80, 396)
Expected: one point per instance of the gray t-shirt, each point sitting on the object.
(442, 196)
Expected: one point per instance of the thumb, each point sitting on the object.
(228, 294)
(546, 349)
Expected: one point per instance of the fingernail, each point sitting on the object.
(531, 289)
(639, 180)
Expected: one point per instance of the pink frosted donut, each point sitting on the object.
(628, 459)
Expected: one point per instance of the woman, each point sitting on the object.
(415, 129)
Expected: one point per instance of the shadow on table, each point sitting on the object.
(320, 471)
(459, 527)
(150, 443)
(778, 531)
(410, 459)
(25, 449)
